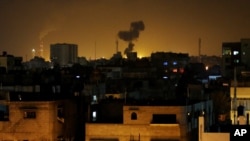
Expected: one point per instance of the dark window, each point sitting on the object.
(164, 118)
(133, 116)
(29, 114)
(60, 111)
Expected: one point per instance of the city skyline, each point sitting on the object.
(170, 26)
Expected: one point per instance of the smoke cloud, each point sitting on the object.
(131, 35)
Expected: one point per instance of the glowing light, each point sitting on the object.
(175, 70)
(207, 68)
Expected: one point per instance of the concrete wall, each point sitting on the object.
(44, 127)
(144, 113)
(143, 127)
(124, 132)
(205, 136)
(242, 98)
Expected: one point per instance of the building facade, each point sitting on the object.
(63, 54)
(151, 123)
(235, 54)
(36, 120)
(240, 105)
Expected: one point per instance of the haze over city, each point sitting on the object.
(170, 26)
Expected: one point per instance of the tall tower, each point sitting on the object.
(63, 54)
(199, 49)
(41, 49)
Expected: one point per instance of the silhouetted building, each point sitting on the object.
(10, 62)
(63, 54)
(235, 54)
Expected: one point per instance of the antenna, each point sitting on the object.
(95, 50)
(199, 49)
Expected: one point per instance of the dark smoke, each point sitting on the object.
(131, 35)
(129, 48)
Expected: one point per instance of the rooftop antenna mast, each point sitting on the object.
(95, 50)
(199, 50)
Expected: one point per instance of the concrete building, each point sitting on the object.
(211, 136)
(32, 120)
(240, 105)
(63, 54)
(235, 54)
(150, 123)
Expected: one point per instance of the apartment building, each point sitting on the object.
(28, 119)
(151, 123)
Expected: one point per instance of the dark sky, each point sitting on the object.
(170, 25)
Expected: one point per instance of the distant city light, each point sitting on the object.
(207, 67)
(165, 77)
(94, 115)
(175, 70)
(174, 63)
(165, 63)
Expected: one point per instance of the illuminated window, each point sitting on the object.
(94, 115)
(133, 116)
(165, 77)
(29, 114)
(227, 52)
(235, 52)
(165, 63)
(174, 63)
(94, 98)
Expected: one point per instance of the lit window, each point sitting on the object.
(94, 98)
(165, 63)
(235, 52)
(94, 116)
(174, 63)
(165, 77)
(133, 116)
(227, 52)
(175, 70)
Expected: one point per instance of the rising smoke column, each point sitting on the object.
(131, 35)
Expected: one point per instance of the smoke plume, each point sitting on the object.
(131, 35)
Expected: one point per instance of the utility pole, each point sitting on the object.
(235, 95)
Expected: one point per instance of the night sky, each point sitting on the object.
(170, 25)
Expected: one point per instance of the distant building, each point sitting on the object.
(169, 65)
(63, 54)
(10, 62)
(235, 54)
(37, 63)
